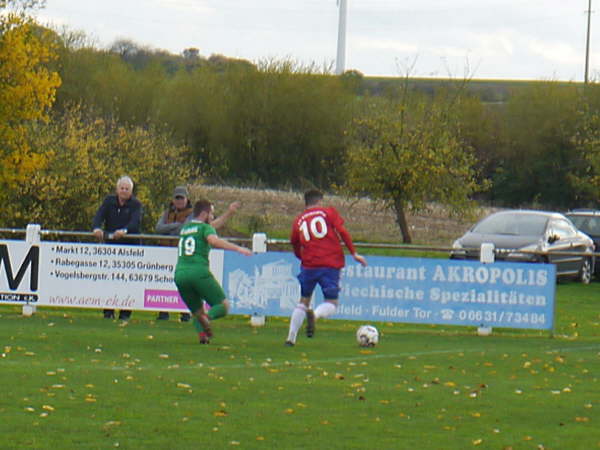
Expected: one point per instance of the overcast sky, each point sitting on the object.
(503, 39)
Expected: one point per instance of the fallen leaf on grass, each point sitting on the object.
(112, 423)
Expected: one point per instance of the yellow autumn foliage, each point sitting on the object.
(85, 156)
(27, 91)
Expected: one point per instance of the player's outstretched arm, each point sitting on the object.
(360, 259)
(217, 242)
(231, 210)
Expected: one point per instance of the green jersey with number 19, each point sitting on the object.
(194, 248)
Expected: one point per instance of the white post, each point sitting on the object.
(259, 245)
(32, 236)
(486, 256)
(259, 242)
(32, 233)
(340, 62)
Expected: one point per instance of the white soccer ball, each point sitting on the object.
(367, 336)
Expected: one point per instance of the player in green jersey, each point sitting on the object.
(193, 278)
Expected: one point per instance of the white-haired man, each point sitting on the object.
(119, 216)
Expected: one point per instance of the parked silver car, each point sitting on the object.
(531, 236)
(588, 221)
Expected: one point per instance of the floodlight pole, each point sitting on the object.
(340, 62)
(587, 43)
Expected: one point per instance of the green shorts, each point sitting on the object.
(194, 289)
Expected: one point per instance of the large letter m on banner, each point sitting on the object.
(31, 259)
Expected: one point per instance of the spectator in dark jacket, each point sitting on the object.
(119, 216)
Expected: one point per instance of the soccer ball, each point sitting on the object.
(367, 336)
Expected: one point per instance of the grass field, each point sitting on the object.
(71, 379)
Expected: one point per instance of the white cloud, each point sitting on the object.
(558, 52)
(384, 44)
(195, 6)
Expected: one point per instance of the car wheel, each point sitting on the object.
(585, 273)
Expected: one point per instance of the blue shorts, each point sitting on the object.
(328, 279)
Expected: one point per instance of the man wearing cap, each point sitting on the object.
(175, 216)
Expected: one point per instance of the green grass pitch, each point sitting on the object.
(72, 379)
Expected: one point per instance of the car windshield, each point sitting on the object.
(512, 224)
(587, 224)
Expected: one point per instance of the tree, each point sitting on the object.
(536, 153)
(409, 153)
(27, 89)
(584, 177)
(86, 155)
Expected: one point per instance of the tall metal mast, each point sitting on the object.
(587, 43)
(340, 62)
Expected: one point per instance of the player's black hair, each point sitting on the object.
(202, 205)
(312, 197)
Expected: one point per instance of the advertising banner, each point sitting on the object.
(390, 289)
(93, 275)
(411, 290)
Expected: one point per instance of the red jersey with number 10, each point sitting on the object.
(316, 234)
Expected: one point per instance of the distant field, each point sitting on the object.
(273, 211)
(488, 90)
(74, 380)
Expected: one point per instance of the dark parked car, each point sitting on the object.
(531, 236)
(588, 221)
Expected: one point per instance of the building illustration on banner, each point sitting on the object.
(272, 285)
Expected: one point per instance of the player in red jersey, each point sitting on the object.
(316, 234)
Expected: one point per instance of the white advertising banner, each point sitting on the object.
(93, 275)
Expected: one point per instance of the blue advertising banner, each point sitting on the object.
(411, 290)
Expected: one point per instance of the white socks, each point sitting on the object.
(298, 315)
(325, 309)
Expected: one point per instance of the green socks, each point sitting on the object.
(216, 312)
